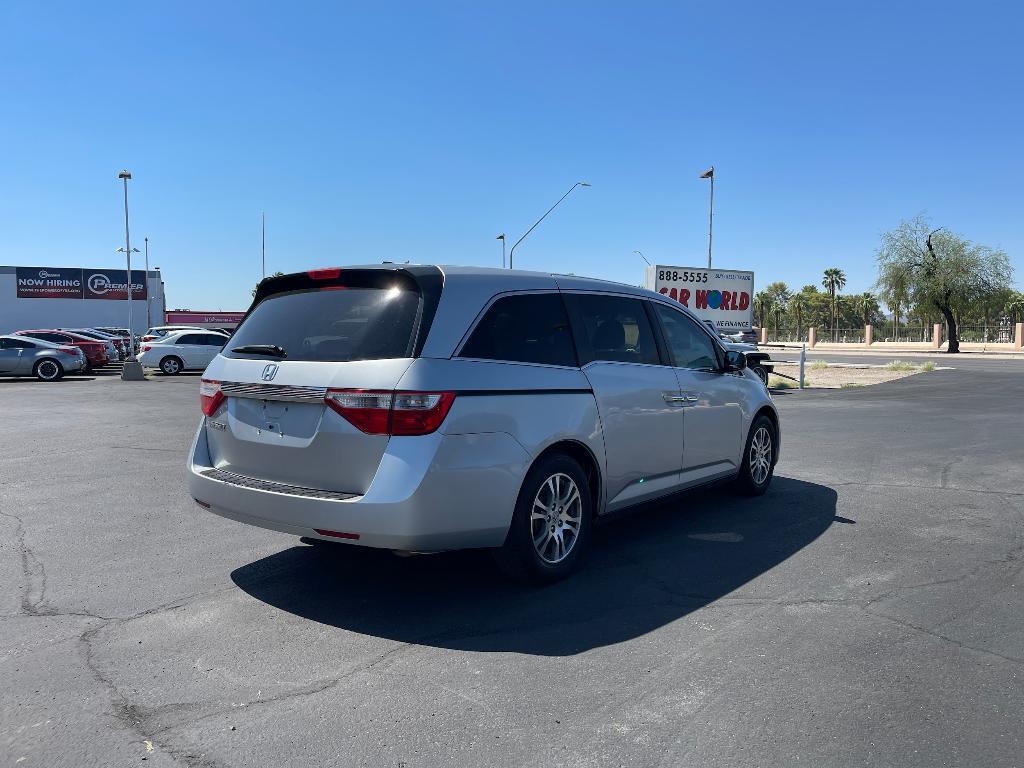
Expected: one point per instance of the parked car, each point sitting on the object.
(159, 331)
(95, 350)
(25, 356)
(742, 337)
(432, 408)
(123, 334)
(757, 361)
(120, 344)
(182, 351)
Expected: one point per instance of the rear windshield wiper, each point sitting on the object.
(261, 349)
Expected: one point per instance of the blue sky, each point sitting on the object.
(421, 130)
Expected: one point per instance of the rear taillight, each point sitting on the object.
(68, 350)
(391, 413)
(210, 396)
(146, 347)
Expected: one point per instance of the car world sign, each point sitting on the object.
(49, 283)
(721, 296)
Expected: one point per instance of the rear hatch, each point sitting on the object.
(306, 335)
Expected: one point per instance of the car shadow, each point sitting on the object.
(646, 569)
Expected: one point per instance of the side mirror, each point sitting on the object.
(735, 361)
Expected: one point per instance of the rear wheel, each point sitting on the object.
(48, 369)
(171, 366)
(550, 529)
(758, 458)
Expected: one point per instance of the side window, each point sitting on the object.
(528, 328)
(689, 345)
(613, 328)
(16, 344)
(189, 338)
(214, 340)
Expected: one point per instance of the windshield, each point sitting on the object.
(358, 323)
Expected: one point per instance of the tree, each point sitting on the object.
(944, 270)
(777, 295)
(833, 282)
(276, 274)
(1014, 307)
(796, 304)
(869, 306)
(894, 286)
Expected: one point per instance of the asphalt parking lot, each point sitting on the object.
(868, 610)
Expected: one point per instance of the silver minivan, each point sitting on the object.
(430, 408)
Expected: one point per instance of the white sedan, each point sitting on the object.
(182, 351)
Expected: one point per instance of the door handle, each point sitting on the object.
(691, 397)
(674, 399)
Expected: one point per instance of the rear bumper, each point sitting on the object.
(430, 493)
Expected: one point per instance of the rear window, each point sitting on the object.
(337, 324)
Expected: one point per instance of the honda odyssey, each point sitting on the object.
(429, 408)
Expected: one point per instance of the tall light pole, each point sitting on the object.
(638, 253)
(263, 237)
(502, 238)
(131, 371)
(549, 210)
(710, 174)
(149, 312)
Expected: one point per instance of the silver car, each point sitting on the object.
(426, 408)
(22, 356)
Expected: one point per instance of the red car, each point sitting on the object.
(95, 351)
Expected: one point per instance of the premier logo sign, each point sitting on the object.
(76, 283)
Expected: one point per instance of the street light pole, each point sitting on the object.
(710, 174)
(263, 236)
(549, 210)
(131, 371)
(638, 253)
(502, 238)
(149, 311)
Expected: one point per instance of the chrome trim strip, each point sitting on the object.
(273, 391)
(266, 485)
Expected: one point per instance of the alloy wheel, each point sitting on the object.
(170, 366)
(48, 370)
(556, 517)
(760, 458)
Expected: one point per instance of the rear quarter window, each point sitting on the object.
(526, 328)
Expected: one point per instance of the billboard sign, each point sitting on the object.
(113, 284)
(48, 283)
(723, 296)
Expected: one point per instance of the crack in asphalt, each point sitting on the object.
(33, 588)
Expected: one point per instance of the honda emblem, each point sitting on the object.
(269, 372)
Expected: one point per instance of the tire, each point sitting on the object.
(761, 372)
(758, 465)
(172, 365)
(48, 369)
(538, 548)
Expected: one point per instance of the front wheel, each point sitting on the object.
(48, 370)
(761, 372)
(550, 529)
(759, 455)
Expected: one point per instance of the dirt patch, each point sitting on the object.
(841, 376)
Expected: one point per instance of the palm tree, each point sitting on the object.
(797, 305)
(833, 282)
(894, 285)
(868, 305)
